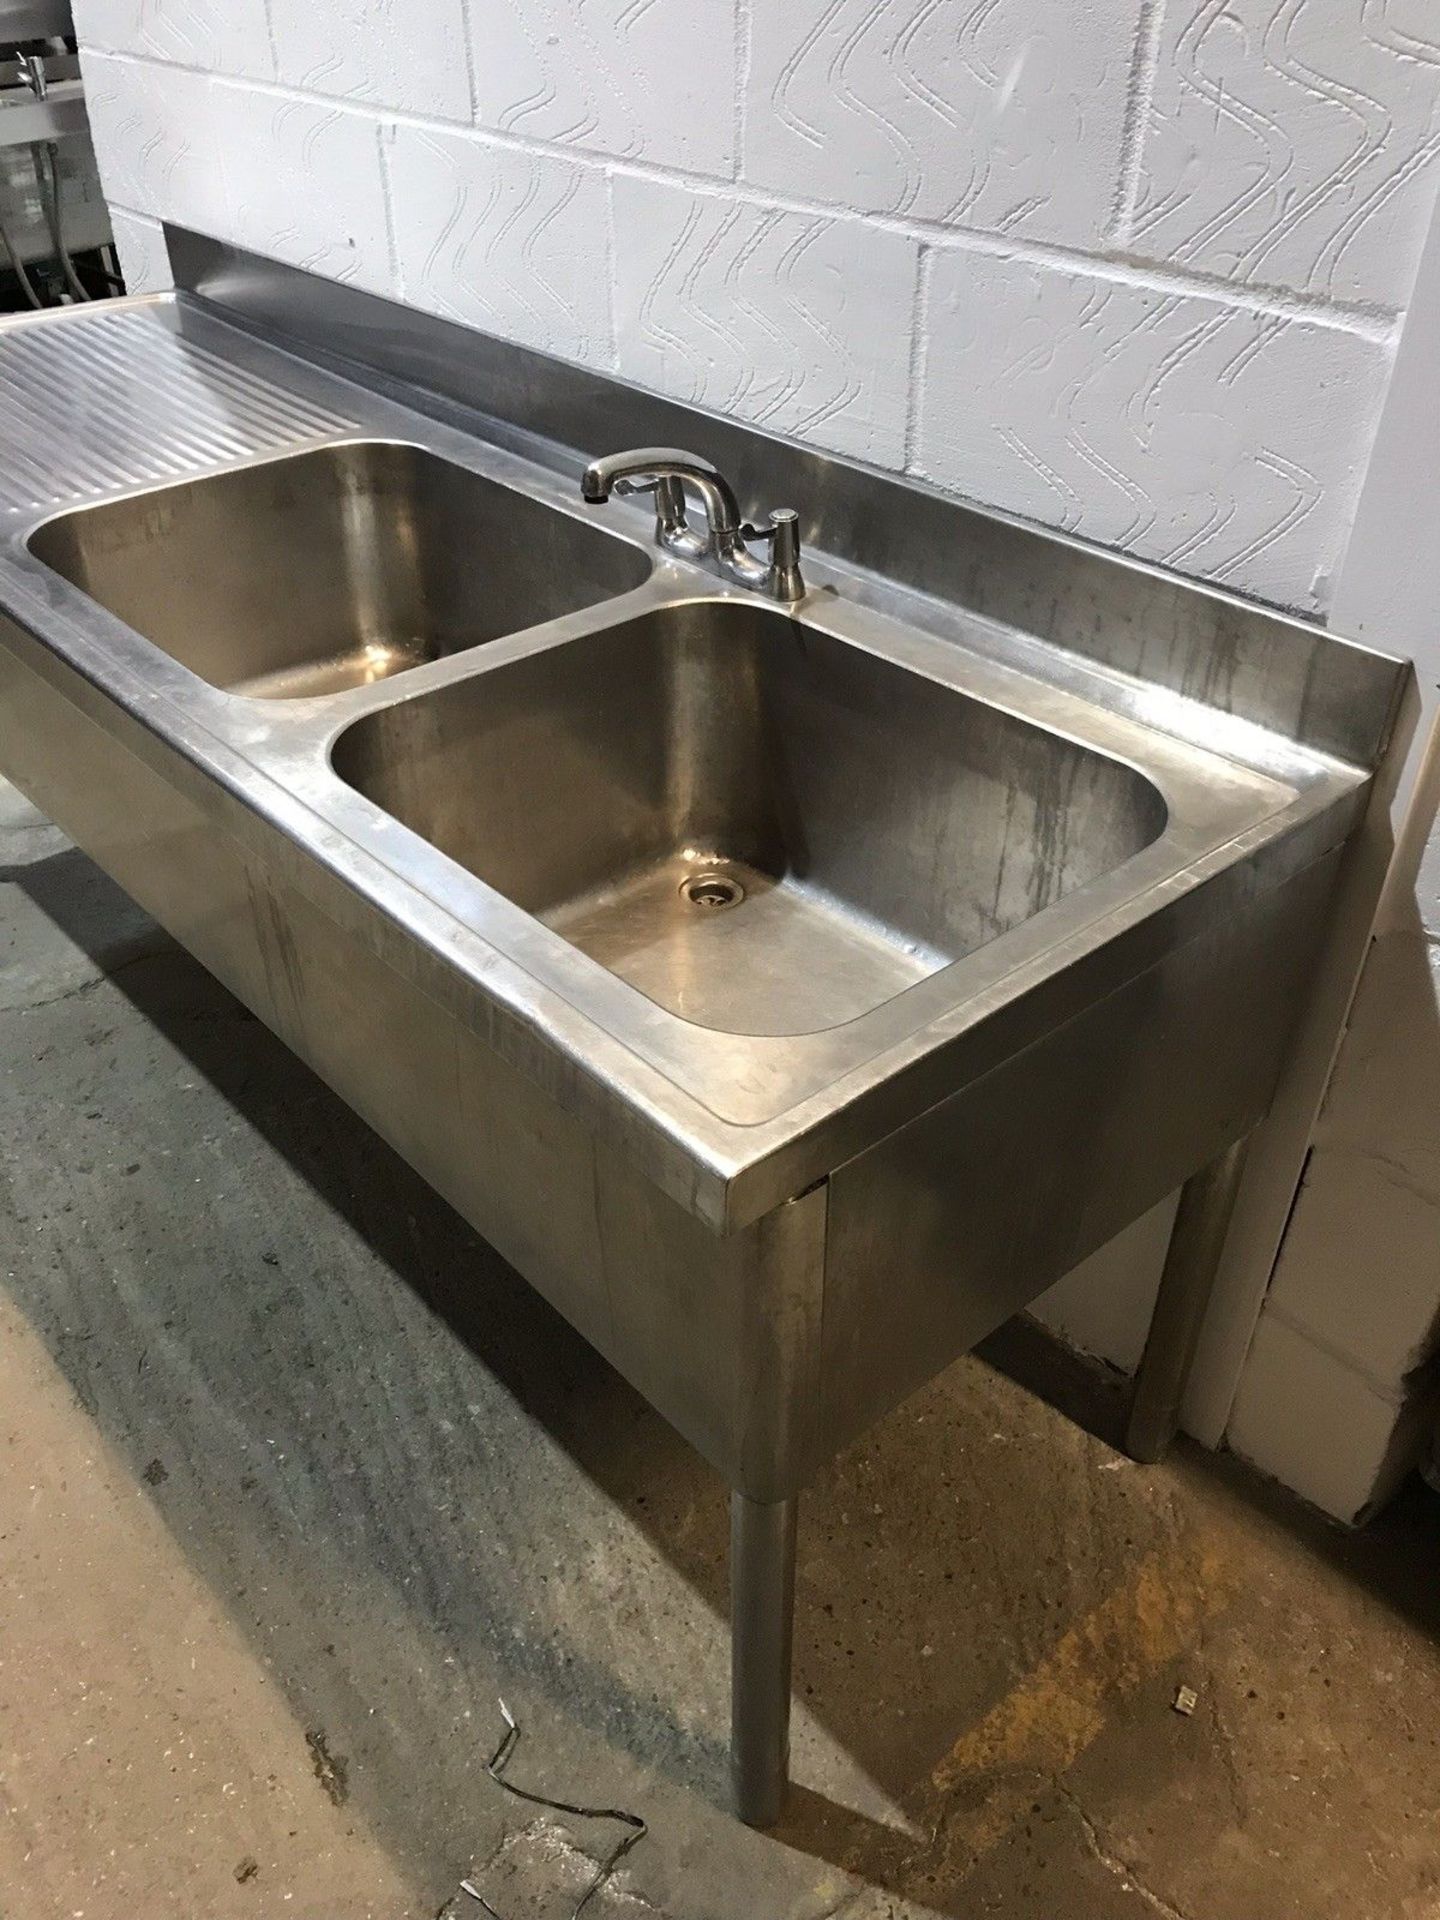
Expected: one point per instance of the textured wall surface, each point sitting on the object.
(1131, 267)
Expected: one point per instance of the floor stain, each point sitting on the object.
(332, 1770)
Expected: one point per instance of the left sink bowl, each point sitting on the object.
(333, 568)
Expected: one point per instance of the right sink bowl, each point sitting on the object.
(763, 828)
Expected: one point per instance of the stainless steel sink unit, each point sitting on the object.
(790, 992)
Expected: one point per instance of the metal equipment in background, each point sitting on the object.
(55, 240)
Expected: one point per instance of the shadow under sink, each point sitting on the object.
(333, 568)
(765, 829)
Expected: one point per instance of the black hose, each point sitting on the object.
(46, 161)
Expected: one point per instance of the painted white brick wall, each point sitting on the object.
(412, 58)
(505, 238)
(284, 174)
(1289, 144)
(1129, 266)
(624, 78)
(142, 248)
(1009, 119)
(212, 36)
(1170, 423)
(796, 321)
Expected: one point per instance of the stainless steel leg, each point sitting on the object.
(1197, 1240)
(762, 1606)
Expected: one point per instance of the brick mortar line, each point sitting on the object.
(919, 347)
(1139, 93)
(1391, 1391)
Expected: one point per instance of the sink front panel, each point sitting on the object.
(334, 568)
(761, 827)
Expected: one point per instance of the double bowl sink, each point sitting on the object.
(762, 826)
(791, 994)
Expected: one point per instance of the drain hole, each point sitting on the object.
(712, 890)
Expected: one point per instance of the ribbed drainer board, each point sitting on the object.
(100, 401)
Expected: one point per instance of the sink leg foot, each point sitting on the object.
(1197, 1241)
(762, 1607)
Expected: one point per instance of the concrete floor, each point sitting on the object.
(297, 1477)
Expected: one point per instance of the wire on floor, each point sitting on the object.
(634, 1825)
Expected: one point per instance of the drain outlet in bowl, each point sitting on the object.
(711, 890)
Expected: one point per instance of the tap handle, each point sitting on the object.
(784, 526)
(783, 535)
(671, 522)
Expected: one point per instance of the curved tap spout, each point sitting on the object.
(667, 472)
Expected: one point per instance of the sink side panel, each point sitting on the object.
(963, 1217)
(721, 1335)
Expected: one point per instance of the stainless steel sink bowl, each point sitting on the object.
(765, 829)
(791, 998)
(333, 568)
